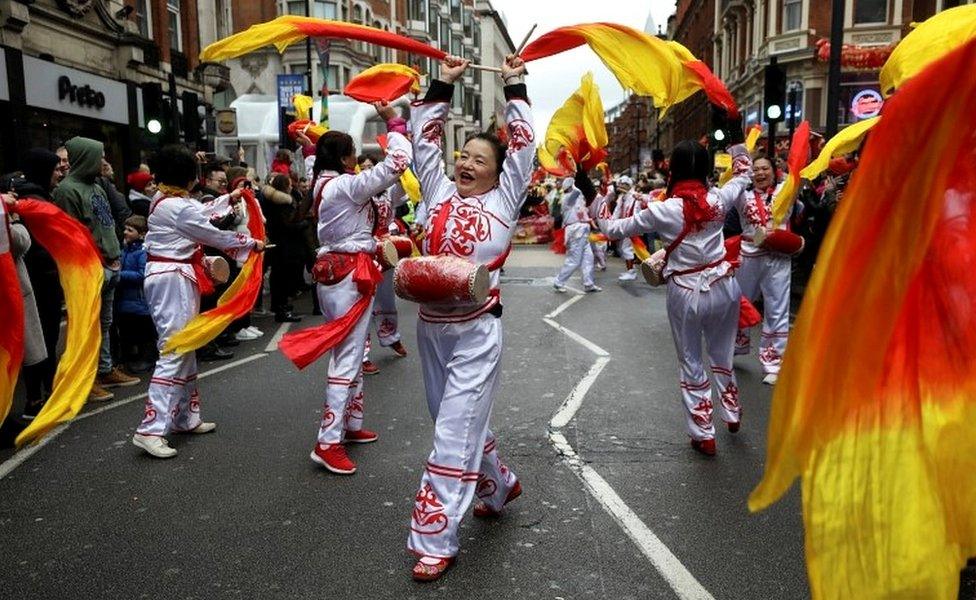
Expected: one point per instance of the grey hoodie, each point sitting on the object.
(82, 198)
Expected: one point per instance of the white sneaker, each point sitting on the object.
(559, 288)
(254, 330)
(630, 275)
(154, 445)
(593, 288)
(245, 336)
(204, 427)
(770, 379)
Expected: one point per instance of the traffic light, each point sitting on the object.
(156, 113)
(720, 128)
(774, 92)
(191, 119)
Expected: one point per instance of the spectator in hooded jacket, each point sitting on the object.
(80, 196)
(137, 334)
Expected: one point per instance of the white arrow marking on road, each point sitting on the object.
(667, 564)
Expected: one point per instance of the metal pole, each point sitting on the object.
(833, 70)
(791, 102)
(308, 49)
(771, 142)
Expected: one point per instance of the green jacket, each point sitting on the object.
(79, 195)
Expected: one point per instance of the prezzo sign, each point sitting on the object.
(56, 87)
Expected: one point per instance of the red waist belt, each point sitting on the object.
(333, 267)
(204, 283)
(698, 269)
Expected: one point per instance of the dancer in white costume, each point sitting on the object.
(703, 296)
(576, 225)
(764, 271)
(460, 345)
(178, 226)
(343, 202)
(627, 204)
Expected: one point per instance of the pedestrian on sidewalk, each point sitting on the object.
(175, 278)
(80, 196)
(460, 344)
(703, 295)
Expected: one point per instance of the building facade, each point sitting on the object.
(737, 38)
(82, 67)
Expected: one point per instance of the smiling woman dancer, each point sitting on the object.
(459, 344)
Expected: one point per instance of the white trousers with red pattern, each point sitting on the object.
(711, 315)
(461, 362)
(385, 312)
(599, 254)
(173, 403)
(343, 408)
(769, 275)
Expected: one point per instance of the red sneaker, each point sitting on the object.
(334, 458)
(363, 436)
(482, 510)
(429, 571)
(399, 349)
(369, 368)
(706, 447)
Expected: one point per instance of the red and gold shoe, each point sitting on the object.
(427, 569)
(369, 368)
(334, 458)
(482, 510)
(399, 349)
(706, 447)
(363, 436)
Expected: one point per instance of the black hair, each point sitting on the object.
(331, 148)
(280, 182)
(174, 165)
(496, 145)
(370, 156)
(689, 160)
(211, 168)
(767, 159)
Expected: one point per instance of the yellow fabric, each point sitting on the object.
(752, 137)
(584, 109)
(929, 41)
(303, 107)
(411, 185)
(281, 32)
(723, 160)
(82, 285)
(205, 327)
(847, 140)
(877, 395)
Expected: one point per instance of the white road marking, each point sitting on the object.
(273, 344)
(664, 561)
(21, 456)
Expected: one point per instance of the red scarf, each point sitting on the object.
(697, 210)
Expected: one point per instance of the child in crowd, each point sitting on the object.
(137, 334)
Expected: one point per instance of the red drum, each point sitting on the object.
(403, 244)
(216, 268)
(442, 279)
(782, 241)
(386, 254)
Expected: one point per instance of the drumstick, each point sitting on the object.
(270, 246)
(485, 68)
(526, 40)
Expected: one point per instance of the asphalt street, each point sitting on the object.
(244, 513)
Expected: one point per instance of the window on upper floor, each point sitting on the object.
(870, 11)
(456, 11)
(417, 10)
(324, 9)
(357, 13)
(144, 18)
(792, 14)
(175, 25)
(445, 34)
(468, 21)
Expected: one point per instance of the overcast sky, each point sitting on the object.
(552, 80)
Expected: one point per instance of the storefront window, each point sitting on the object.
(175, 27)
(792, 10)
(870, 11)
(144, 18)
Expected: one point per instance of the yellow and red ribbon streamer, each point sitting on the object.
(383, 82)
(12, 335)
(236, 301)
(799, 154)
(846, 141)
(577, 133)
(71, 246)
(875, 403)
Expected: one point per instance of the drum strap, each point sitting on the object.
(204, 283)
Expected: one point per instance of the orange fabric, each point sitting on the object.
(71, 246)
(288, 29)
(876, 399)
(558, 243)
(799, 154)
(577, 133)
(384, 82)
(236, 301)
(12, 334)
